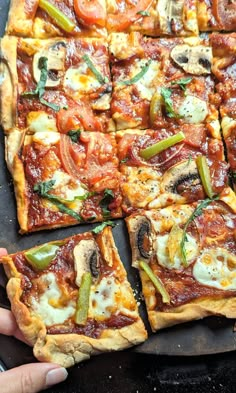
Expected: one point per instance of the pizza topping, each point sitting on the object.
(170, 14)
(155, 107)
(195, 60)
(182, 82)
(41, 257)
(138, 76)
(216, 268)
(193, 110)
(156, 281)
(99, 228)
(166, 96)
(169, 249)
(86, 259)
(105, 201)
(41, 121)
(83, 299)
(40, 89)
(180, 173)
(90, 12)
(59, 18)
(197, 212)
(42, 190)
(55, 65)
(94, 70)
(144, 238)
(205, 175)
(51, 305)
(164, 144)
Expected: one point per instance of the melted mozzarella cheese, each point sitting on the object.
(81, 79)
(45, 306)
(193, 110)
(146, 84)
(46, 138)
(216, 268)
(142, 186)
(177, 263)
(104, 298)
(65, 188)
(41, 122)
(169, 216)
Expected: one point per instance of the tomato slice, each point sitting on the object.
(80, 116)
(68, 163)
(128, 16)
(90, 11)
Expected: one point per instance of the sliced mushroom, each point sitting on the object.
(86, 259)
(141, 238)
(55, 65)
(170, 15)
(195, 60)
(178, 174)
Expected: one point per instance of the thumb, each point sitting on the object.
(31, 378)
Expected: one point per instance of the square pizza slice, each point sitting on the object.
(224, 56)
(186, 255)
(55, 85)
(55, 18)
(63, 180)
(157, 81)
(71, 298)
(216, 15)
(153, 17)
(162, 167)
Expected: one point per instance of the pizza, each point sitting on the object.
(120, 109)
(75, 94)
(172, 176)
(158, 81)
(63, 179)
(71, 298)
(186, 256)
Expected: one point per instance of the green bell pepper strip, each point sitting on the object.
(205, 175)
(59, 18)
(156, 281)
(41, 257)
(83, 299)
(158, 147)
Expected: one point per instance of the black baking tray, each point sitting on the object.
(170, 360)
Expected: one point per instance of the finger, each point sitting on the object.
(31, 378)
(3, 252)
(8, 325)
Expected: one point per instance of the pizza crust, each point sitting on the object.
(18, 22)
(8, 85)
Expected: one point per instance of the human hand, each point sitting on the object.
(30, 378)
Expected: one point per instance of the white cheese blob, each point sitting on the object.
(191, 248)
(65, 188)
(46, 138)
(193, 110)
(104, 298)
(47, 306)
(41, 122)
(81, 79)
(146, 84)
(216, 268)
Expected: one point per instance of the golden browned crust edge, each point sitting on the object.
(8, 87)
(192, 311)
(18, 22)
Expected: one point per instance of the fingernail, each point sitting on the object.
(56, 375)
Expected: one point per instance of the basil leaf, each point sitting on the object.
(143, 13)
(166, 95)
(74, 135)
(197, 212)
(182, 82)
(100, 227)
(40, 89)
(136, 78)
(42, 190)
(105, 201)
(101, 79)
